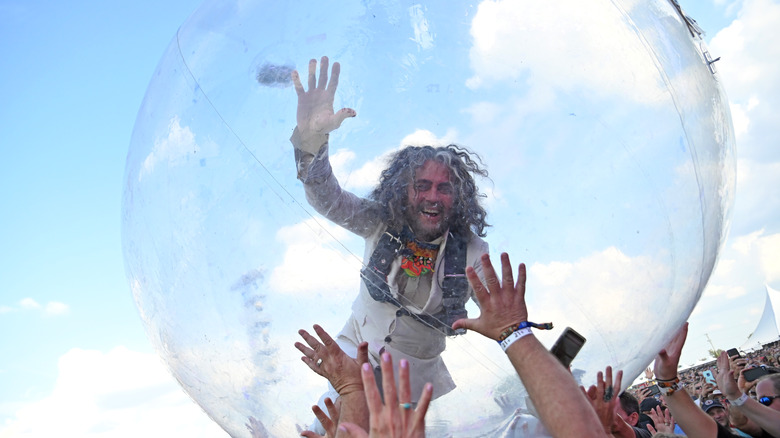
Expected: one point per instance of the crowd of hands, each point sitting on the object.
(366, 409)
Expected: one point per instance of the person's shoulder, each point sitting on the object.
(724, 432)
(641, 433)
(474, 240)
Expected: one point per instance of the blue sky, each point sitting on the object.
(72, 347)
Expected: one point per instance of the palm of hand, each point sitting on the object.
(315, 112)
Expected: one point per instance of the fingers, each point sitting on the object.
(297, 83)
(326, 422)
(334, 78)
(323, 73)
(333, 413)
(521, 278)
(404, 387)
(404, 392)
(476, 284)
(592, 392)
(311, 340)
(326, 339)
(373, 400)
(388, 382)
(312, 74)
(507, 279)
(418, 420)
(618, 384)
(676, 345)
(493, 285)
(352, 430)
(362, 353)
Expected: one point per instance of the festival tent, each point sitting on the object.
(767, 330)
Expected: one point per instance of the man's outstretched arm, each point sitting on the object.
(316, 119)
(562, 407)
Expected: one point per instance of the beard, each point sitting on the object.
(428, 221)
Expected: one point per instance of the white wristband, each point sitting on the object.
(740, 401)
(517, 334)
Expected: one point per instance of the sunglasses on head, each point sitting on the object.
(766, 401)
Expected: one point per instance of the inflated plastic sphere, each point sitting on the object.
(603, 125)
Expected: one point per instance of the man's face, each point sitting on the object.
(632, 419)
(430, 197)
(720, 415)
(766, 388)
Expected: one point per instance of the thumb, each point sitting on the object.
(468, 324)
(341, 115)
(353, 430)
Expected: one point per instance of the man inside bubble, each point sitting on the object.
(422, 226)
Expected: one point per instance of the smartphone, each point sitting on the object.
(654, 390)
(754, 373)
(709, 377)
(733, 352)
(567, 346)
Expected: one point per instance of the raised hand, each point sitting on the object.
(328, 421)
(315, 116)
(502, 303)
(396, 417)
(604, 398)
(662, 419)
(727, 383)
(328, 360)
(667, 360)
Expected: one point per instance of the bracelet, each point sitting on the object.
(667, 383)
(525, 324)
(514, 336)
(740, 401)
(669, 387)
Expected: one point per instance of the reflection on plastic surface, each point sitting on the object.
(611, 158)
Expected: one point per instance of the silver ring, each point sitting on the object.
(319, 362)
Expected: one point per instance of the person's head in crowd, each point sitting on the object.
(768, 391)
(717, 411)
(628, 408)
(649, 404)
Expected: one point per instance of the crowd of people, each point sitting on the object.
(425, 258)
(723, 409)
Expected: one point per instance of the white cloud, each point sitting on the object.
(762, 251)
(121, 393)
(52, 308)
(364, 177)
(29, 304)
(176, 148)
(512, 39)
(328, 267)
(56, 308)
(749, 69)
(367, 176)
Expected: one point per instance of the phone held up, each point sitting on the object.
(567, 346)
(752, 374)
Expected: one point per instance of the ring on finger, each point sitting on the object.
(405, 405)
(319, 362)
